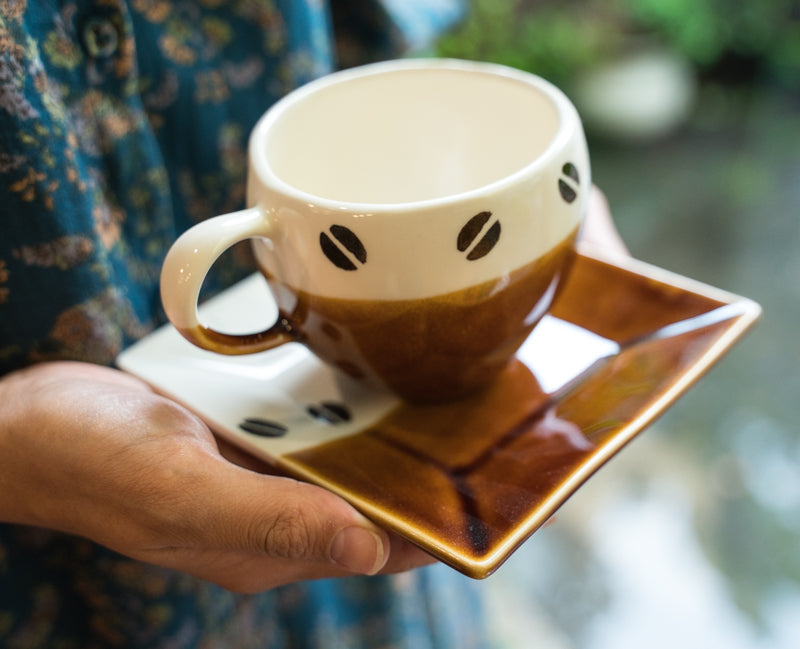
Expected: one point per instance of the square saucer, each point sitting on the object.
(467, 481)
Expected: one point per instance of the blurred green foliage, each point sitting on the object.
(548, 39)
(558, 39)
(706, 31)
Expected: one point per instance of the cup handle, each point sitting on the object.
(185, 267)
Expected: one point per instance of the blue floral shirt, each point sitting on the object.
(122, 123)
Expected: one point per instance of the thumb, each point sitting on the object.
(284, 519)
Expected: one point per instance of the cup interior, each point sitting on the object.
(409, 135)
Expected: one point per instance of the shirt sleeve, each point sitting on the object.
(121, 124)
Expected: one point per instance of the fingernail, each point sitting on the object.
(358, 550)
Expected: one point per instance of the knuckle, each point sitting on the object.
(288, 534)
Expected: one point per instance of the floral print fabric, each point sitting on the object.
(122, 123)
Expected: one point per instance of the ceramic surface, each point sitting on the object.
(468, 481)
(496, 176)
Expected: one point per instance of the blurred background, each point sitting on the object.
(690, 538)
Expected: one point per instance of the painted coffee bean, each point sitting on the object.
(346, 238)
(471, 232)
(263, 427)
(569, 182)
(330, 412)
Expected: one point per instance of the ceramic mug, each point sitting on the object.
(413, 219)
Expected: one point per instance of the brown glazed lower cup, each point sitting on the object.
(432, 349)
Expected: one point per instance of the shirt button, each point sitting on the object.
(100, 37)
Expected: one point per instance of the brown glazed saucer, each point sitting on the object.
(467, 481)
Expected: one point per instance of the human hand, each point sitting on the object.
(94, 452)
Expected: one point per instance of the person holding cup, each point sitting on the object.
(125, 522)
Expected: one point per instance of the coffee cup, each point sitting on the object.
(413, 220)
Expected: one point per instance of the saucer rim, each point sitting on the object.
(748, 313)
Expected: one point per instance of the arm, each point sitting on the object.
(88, 450)
(94, 452)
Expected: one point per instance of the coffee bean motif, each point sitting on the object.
(569, 182)
(344, 238)
(471, 232)
(330, 412)
(263, 427)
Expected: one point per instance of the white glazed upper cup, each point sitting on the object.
(361, 184)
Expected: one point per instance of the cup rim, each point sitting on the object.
(568, 119)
